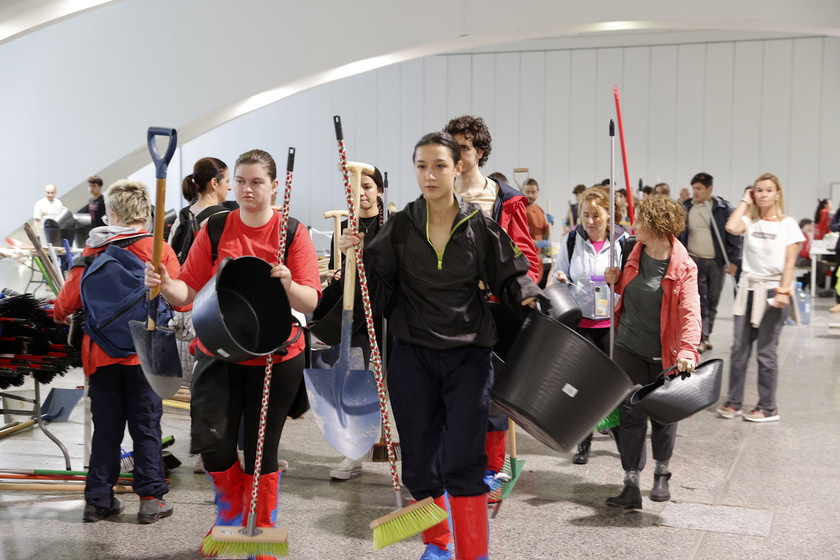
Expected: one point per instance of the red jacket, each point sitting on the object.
(509, 212)
(679, 319)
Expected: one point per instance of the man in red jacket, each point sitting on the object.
(507, 207)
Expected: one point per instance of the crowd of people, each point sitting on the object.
(469, 239)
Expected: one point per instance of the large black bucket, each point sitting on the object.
(557, 385)
(242, 312)
(60, 226)
(562, 306)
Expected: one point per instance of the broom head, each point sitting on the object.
(612, 420)
(235, 541)
(406, 522)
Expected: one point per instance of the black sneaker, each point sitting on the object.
(93, 514)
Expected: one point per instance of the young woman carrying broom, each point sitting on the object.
(427, 263)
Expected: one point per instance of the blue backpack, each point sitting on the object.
(113, 293)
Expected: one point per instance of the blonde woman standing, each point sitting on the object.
(771, 243)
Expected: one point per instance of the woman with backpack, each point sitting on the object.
(584, 255)
(223, 391)
(119, 393)
(424, 269)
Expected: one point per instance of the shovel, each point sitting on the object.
(345, 401)
(155, 345)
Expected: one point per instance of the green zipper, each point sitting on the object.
(456, 226)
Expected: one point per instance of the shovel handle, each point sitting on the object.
(161, 164)
(339, 132)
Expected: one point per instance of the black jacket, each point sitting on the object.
(436, 302)
(721, 210)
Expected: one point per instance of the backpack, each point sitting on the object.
(216, 225)
(626, 243)
(188, 227)
(119, 273)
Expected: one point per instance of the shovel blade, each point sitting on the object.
(159, 359)
(345, 405)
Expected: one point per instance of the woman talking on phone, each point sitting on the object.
(771, 243)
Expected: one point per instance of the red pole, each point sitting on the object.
(630, 213)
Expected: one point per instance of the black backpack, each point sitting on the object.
(188, 226)
(216, 225)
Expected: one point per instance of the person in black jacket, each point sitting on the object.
(716, 252)
(424, 269)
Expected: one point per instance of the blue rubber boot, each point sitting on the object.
(437, 538)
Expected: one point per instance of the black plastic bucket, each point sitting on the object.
(557, 385)
(562, 306)
(242, 312)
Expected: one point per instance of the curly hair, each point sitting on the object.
(662, 217)
(474, 129)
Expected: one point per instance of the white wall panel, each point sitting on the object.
(532, 138)
(775, 108)
(504, 123)
(390, 153)
(557, 183)
(717, 121)
(829, 132)
(412, 127)
(635, 98)
(435, 113)
(690, 94)
(483, 87)
(663, 112)
(804, 147)
(610, 68)
(458, 84)
(746, 112)
(582, 122)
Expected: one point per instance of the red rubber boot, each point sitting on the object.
(469, 517)
(229, 504)
(267, 496)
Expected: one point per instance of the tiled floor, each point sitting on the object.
(739, 490)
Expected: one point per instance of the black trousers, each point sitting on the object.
(225, 395)
(120, 395)
(633, 427)
(441, 402)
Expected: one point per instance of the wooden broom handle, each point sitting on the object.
(512, 437)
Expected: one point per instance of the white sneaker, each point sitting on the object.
(198, 464)
(346, 470)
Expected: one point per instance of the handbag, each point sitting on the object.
(671, 398)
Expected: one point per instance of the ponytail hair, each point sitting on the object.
(205, 170)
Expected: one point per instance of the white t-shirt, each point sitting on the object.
(765, 245)
(46, 209)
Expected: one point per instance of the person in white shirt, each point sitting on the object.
(46, 207)
(763, 302)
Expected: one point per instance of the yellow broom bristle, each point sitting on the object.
(242, 545)
(406, 522)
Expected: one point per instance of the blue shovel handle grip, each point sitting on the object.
(161, 163)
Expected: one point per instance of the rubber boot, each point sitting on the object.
(631, 496)
(229, 504)
(267, 496)
(469, 517)
(495, 446)
(582, 455)
(437, 538)
(661, 491)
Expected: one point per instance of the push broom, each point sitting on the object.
(249, 540)
(419, 516)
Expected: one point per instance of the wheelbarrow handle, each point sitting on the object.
(339, 133)
(161, 163)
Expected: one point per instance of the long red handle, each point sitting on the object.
(630, 213)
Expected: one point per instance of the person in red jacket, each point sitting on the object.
(119, 392)
(658, 326)
(507, 206)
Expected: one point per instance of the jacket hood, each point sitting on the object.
(102, 235)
